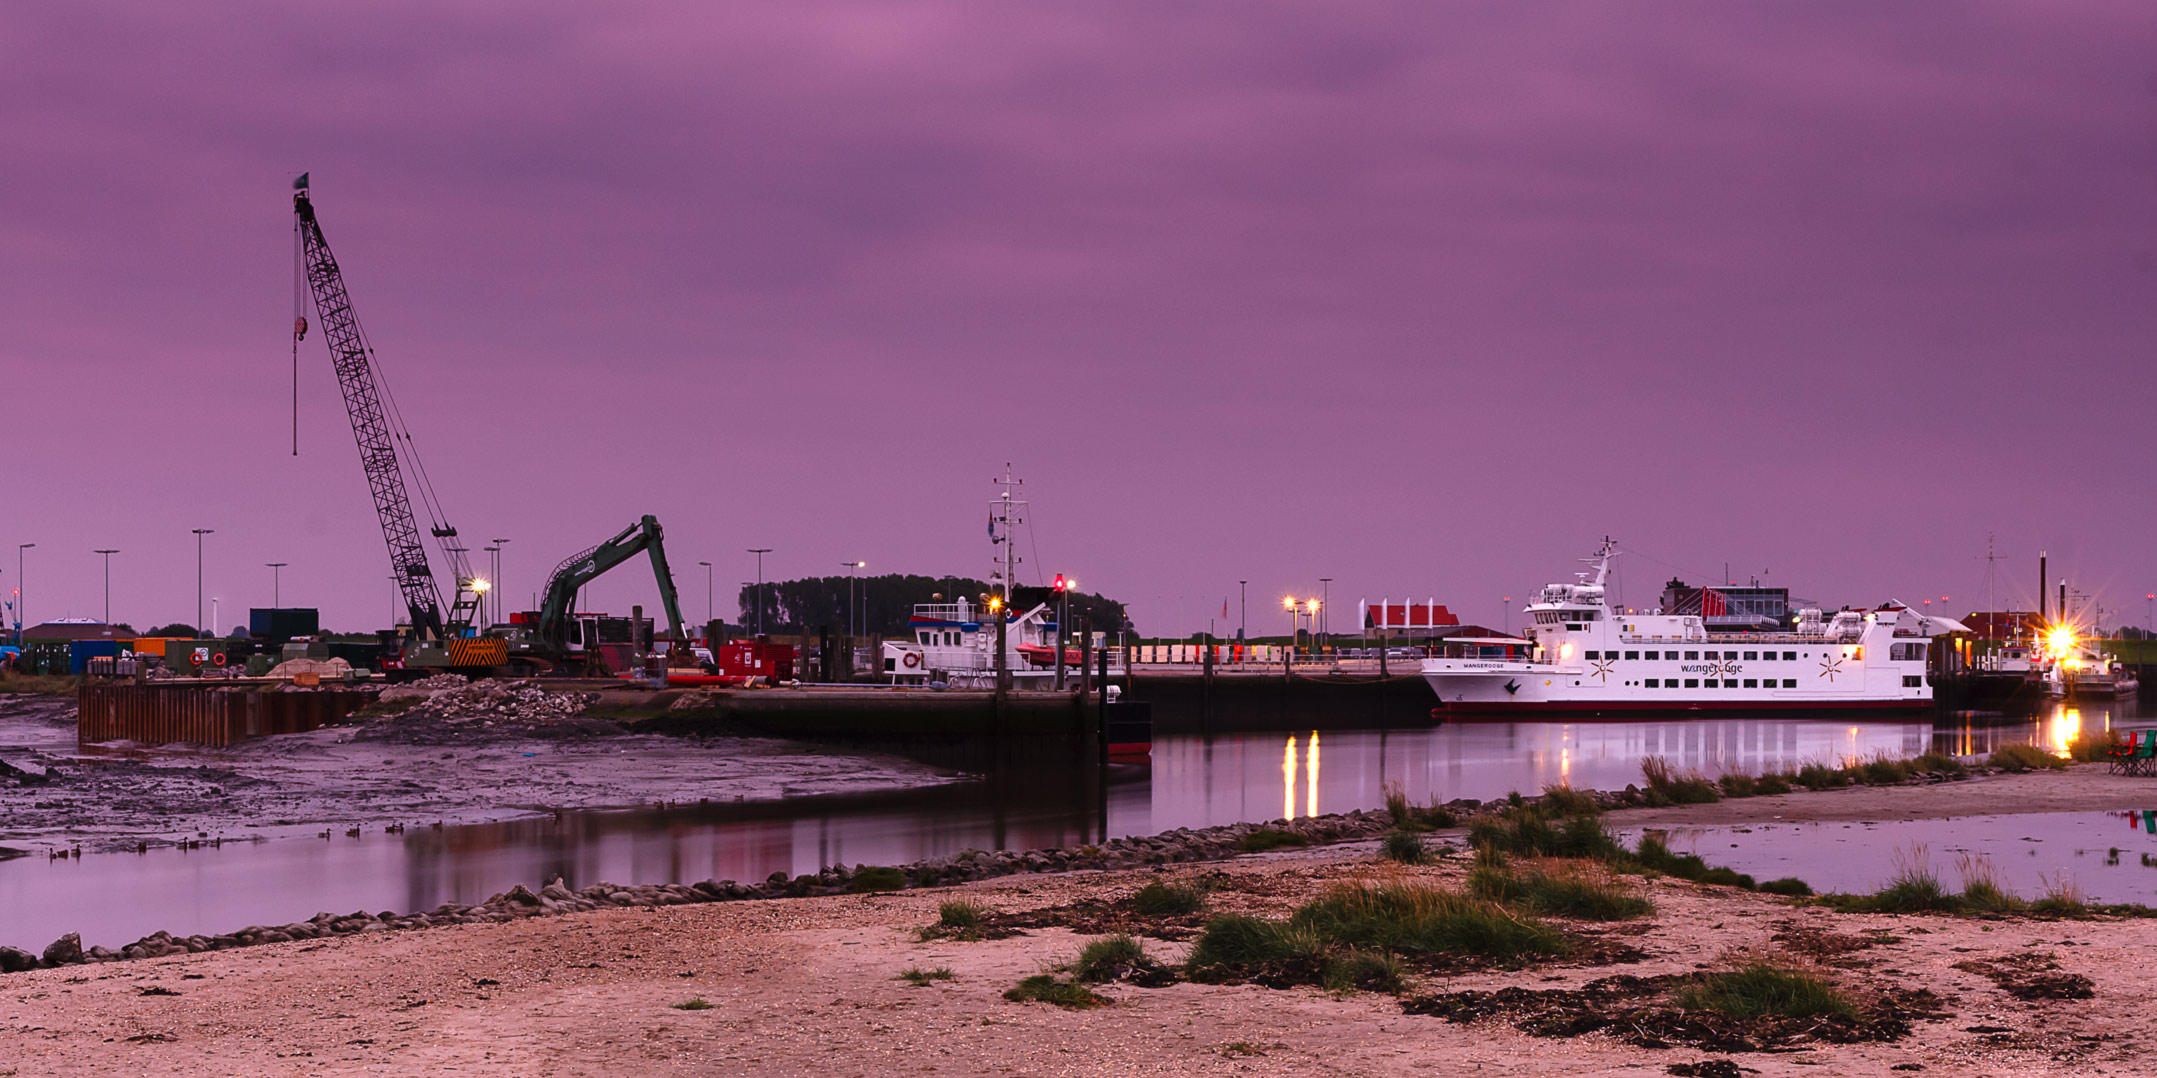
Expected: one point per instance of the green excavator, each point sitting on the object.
(557, 639)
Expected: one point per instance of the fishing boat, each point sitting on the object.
(1589, 657)
(2077, 670)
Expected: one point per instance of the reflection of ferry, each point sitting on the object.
(1592, 657)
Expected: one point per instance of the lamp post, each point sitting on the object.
(760, 551)
(707, 591)
(498, 591)
(19, 622)
(494, 573)
(853, 577)
(108, 582)
(1243, 609)
(213, 617)
(1505, 612)
(1324, 594)
(277, 591)
(199, 533)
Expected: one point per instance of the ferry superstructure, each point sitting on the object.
(1590, 657)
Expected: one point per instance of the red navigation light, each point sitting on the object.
(1059, 582)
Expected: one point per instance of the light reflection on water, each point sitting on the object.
(1194, 781)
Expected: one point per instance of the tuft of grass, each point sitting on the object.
(1882, 771)
(1567, 801)
(1045, 988)
(1787, 885)
(699, 1003)
(1940, 762)
(1267, 838)
(2024, 758)
(1771, 783)
(1818, 776)
(2090, 747)
(876, 878)
(1531, 833)
(1420, 919)
(957, 919)
(1580, 893)
(1233, 942)
(921, 978)
(1668, 786)
(1404, 847)
(1437, 816)
(1109, 958)
(2061, 899)
(1981, 890)
(1655, 854)
(1915, 888)
(1158, 899)
(1736, 785)
(1405, 817)
(1760, 989)
(1367, 971)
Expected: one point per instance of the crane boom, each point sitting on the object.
(370, 425)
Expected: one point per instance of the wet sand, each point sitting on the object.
(297, 785)
(807, 985)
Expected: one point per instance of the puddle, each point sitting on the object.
(2028, 851)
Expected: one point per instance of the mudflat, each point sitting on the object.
(814, 985)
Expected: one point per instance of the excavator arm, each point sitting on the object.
(558, 602)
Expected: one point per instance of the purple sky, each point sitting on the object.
(1422, 297)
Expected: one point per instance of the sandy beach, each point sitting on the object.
(808, 985)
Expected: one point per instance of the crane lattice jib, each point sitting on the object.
(370, 426)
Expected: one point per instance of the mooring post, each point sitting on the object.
(1085, 664)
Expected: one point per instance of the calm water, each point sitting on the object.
(1193, 782)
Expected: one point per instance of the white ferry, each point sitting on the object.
(1592, 658)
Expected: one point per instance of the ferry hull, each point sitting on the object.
(1629, 708)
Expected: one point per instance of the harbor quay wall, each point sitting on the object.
(161, 714)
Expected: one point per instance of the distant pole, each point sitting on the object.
(760, 551)
(1505, 612)
(494, 551)
(199, 533)
(108, 582)
(1243, 609)
(707, 590)
(20, 621)
(277, 593)
(1324, 620)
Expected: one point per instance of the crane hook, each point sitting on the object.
(299, 329)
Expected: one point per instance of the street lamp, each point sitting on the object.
(760, 551)
(199, 533)
(853, 574)
(277, 591)
(1324, 594)
(1288, 604)
(19, 622)
(707, 591)
(108, 582)
(1243, 609)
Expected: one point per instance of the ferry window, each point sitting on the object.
(1751, 683)
(1751, 655)
(1590, 655)
(1652, 682)
(1912, 681)
(1632, 655)
(1654, 655)
(1692, 683)
(1692, 655)
(1790, 656)
(1730, 655)
(1790, 683)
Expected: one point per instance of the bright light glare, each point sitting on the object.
(2061, 639)
(480, 586)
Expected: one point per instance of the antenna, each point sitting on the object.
(1008, 510)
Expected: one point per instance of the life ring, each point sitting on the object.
(217, 658)
(912, 660)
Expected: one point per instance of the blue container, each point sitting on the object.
(80, 652)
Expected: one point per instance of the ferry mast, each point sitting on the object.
(1006, 513)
